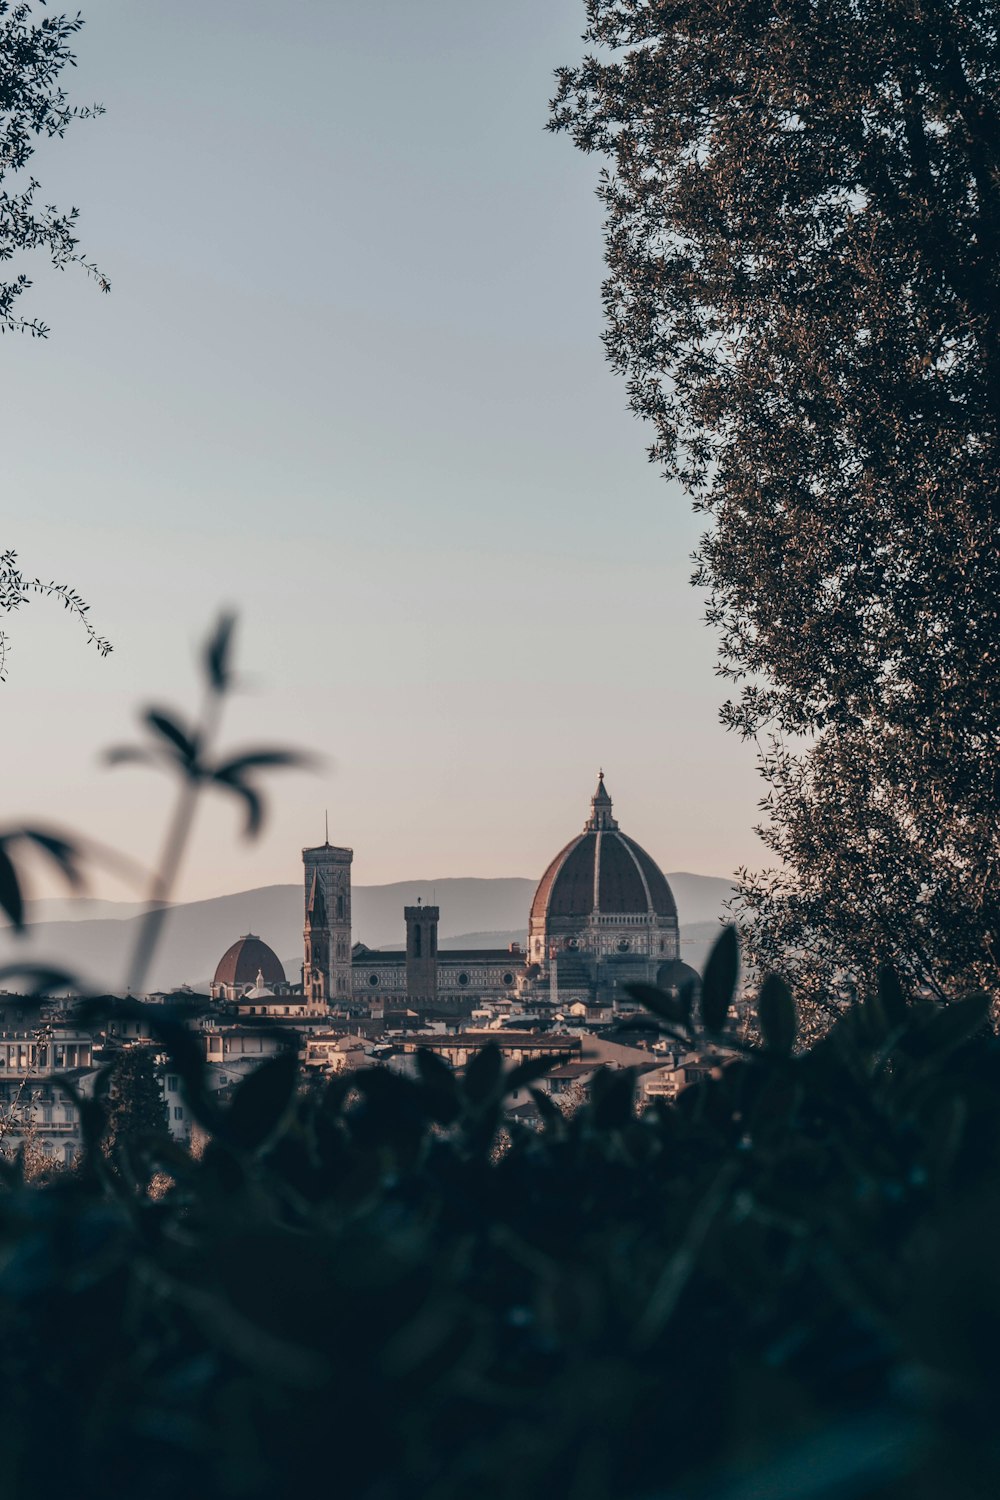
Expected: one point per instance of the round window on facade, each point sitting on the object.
(623, 945)
(507, 979)
(572, 944)
(373, 980)
(463, 978)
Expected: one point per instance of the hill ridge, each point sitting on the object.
(197, 933)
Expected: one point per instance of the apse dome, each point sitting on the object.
(248, 959)
(603, 894)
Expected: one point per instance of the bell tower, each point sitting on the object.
(316, 968)
(421, 955)
(327, 970)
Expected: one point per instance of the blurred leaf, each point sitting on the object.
(533, 1068)
(440, 1085)
(44, 977)
(165, 726)
(11, 900)
(718, 983)
(551, 1113)
(483, 1073)
(891, 996)
(393, 1110)
(260, 1102)
(612, 1092)
(93, 1117)
(218, 650)
(255, 760)
(121, 755)
(675, 1008)
(64, 854)
(252, 802)
(776, 1012)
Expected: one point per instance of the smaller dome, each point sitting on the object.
(247, 961)
(676, 975)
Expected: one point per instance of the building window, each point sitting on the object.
(340, 907)
(373, 980)
(507, 979)
(463, 978)
(178, 1112)
(416, 941)
(171, 1083)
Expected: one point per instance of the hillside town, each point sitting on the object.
(603, 919)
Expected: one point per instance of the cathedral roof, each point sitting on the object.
(247, 957)
(602, 871)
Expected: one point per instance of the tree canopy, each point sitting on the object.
(33, 54)
(803, 208)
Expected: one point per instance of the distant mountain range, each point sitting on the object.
(94, 938)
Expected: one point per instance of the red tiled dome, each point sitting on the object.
(628, 880)
(602, 870)
(241, 963)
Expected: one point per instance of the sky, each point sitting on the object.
(349, 381)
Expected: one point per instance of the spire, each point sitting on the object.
(326, 828)
(600, 808)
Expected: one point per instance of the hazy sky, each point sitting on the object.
(349, 379)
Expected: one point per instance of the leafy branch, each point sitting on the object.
(32, 55)
(16, 589)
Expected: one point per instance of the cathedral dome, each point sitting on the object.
(247, 961)
(602, 872)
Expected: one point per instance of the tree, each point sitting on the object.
(136, 1109)
(803, 243)
(32, 56)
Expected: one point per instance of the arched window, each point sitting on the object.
(417, 940)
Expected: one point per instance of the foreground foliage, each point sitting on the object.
(791, 1272)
